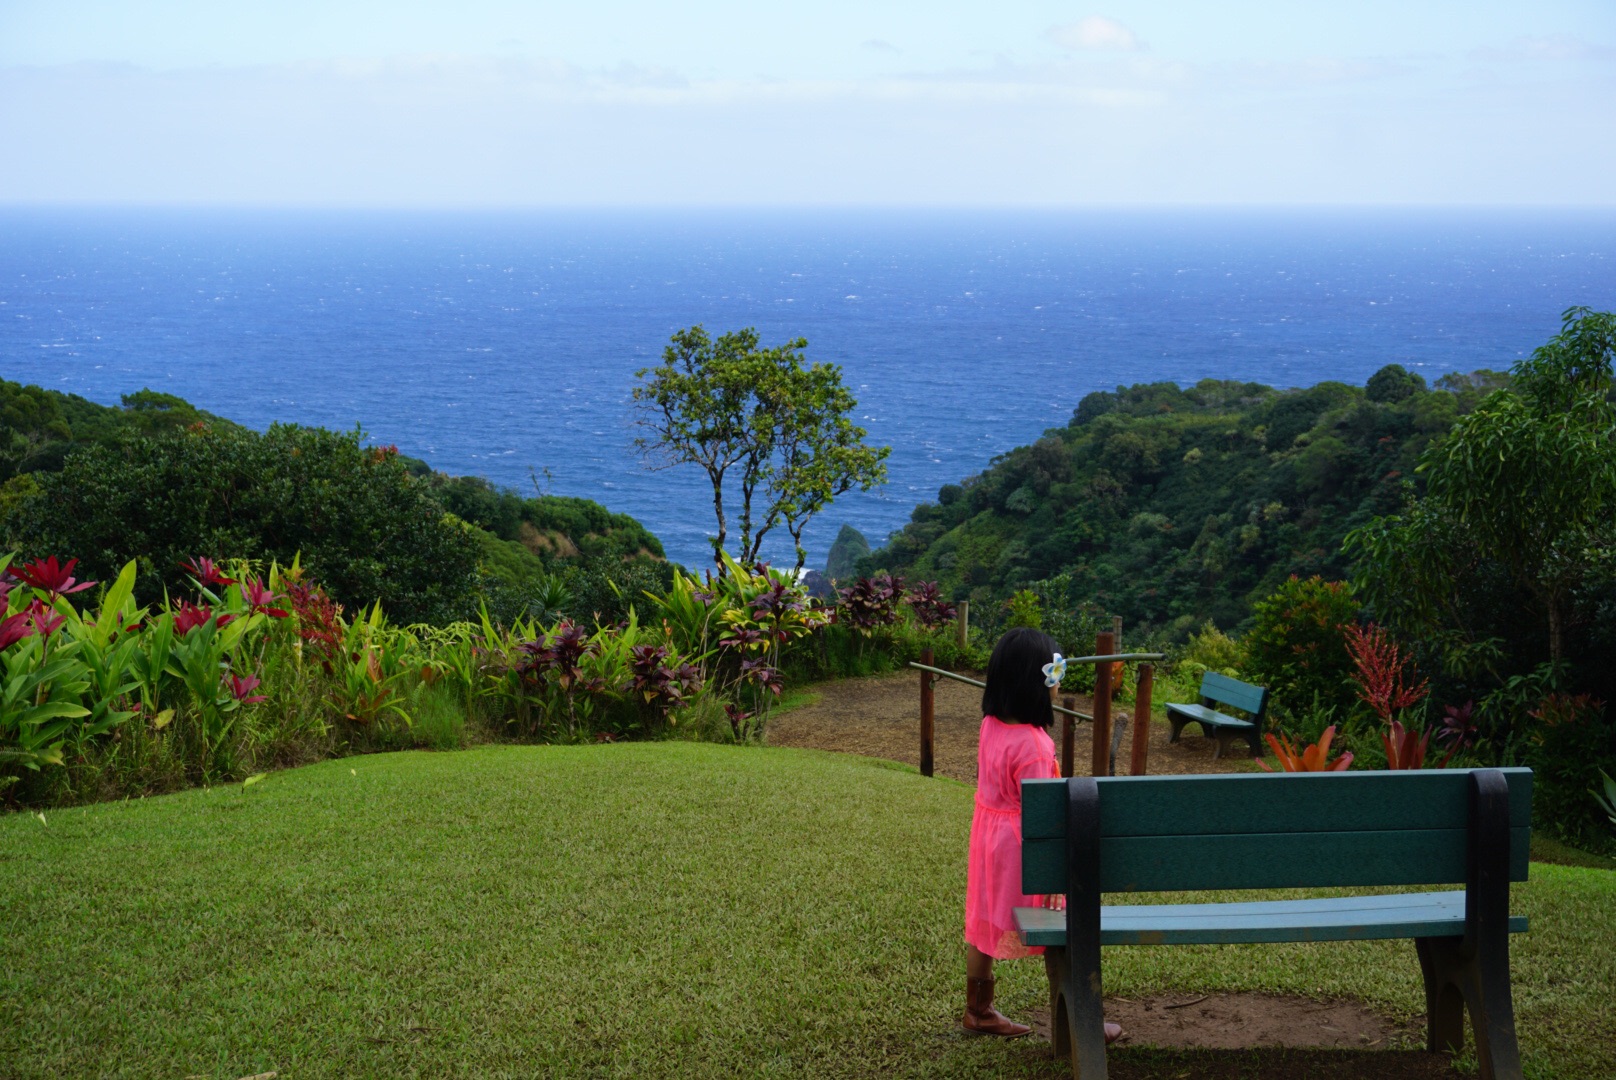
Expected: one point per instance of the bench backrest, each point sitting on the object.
(1240, 695)
(1270, 831)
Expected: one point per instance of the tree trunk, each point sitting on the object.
(718, 508)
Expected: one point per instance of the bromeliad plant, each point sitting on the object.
(1315, 758)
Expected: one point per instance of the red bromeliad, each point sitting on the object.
(207, 572)
(1405, 747)
(49, 577)
(1315, 758)
(1383, 672)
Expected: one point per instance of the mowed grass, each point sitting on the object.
(650, 909)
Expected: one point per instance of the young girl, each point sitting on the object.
(1024, 675)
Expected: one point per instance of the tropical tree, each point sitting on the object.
(1519, 499)
(761, 422)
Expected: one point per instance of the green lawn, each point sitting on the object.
(658, 909)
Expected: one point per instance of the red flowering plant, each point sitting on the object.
(1386, 681)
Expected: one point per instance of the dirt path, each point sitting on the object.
(879, 716)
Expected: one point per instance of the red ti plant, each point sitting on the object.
(260, 599)
(1384, 672)
(1458, 731)
(15, 628)
(188, 617)
(660, 684)
(760, 672)
(241, 687)
(207, 573)
(1405, 747)
(561, 656)
(52, 579)
(871, 602)
(1315, 758)
(929, 607)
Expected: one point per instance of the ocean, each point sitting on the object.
(506, 344)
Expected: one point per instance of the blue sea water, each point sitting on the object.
(506, 344)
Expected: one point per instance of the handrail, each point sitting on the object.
(977, 682)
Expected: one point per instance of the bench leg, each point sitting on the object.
(1060, 1028)
(1479, 982)
(1255, 738)
(1084, 1014)
(1177, 724)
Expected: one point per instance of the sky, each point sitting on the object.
(488, 103)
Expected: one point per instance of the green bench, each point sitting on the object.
(1087, 836)
(1221, 690)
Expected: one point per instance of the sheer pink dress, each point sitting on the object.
(1007, 754)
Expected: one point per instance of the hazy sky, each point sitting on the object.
(1020, 102)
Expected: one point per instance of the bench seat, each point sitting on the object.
(1340, 918)
(1211, 718)
(1222, 690)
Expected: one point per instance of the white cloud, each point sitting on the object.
(881, 46)
(1095, 32)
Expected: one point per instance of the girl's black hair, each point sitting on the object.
(1015, 692)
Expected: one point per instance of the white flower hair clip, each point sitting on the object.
(1055, 671)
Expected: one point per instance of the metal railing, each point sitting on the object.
(1106, 738)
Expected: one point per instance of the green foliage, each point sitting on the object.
(760, 421)
(1504, 569)
(1296, 647)
(364, 527)
(1606, 798)
(1172, 506)
(39, 428)
(1210, 649)
(1025, 609)
(1393, 383)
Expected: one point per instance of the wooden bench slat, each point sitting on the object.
(1266, 802)
(1268, 860)
(1350, 918)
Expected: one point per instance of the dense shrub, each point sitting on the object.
(1296, 645)
(363, 526)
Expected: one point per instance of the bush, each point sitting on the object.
(1296, 645)
(363, 526)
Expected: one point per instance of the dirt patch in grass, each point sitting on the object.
(1260, 1036)
(1235, 1021)
(879, 717)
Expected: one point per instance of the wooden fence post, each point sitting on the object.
(1116, 632)
(1068, 724)
(962, 622)
(1141, 719)
(1103, 646)
(926, 714)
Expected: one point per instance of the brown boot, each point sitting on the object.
(981, 1018)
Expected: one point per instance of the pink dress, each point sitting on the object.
(1006, 755)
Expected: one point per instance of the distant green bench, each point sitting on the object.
(1222, 690)
(1088, 836)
